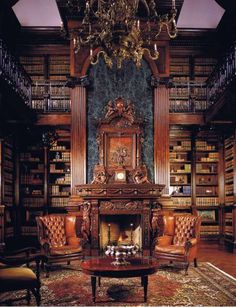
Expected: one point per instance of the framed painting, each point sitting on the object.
(120, 151)
(207, 215)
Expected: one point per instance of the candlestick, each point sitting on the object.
(109, 233)
(155, 47)
(173, 4)
(131, 234)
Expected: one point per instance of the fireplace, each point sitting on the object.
(120, 199)
(120, 229)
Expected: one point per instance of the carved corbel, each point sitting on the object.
(157, 81)
(72, 82)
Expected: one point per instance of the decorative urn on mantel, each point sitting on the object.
(120, 184)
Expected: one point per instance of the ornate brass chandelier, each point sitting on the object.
(120, 31)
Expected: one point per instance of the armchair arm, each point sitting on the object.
(73, 240)
(46, 247)
(164, 240)
(27, 251)
(20, 261)
(189, 244)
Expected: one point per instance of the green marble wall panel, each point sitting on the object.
(108, 84)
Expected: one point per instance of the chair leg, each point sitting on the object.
(47, 268)
(195, 262)
(28, 297)
(186, 268)
(37, 295)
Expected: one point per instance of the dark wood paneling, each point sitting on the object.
(161, 136)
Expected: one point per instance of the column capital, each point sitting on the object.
(157, 81)
(73, 82)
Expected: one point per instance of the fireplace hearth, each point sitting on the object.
(120, 230)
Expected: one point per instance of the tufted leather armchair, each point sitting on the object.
(180, 239)
(15, 277)
(58, 239)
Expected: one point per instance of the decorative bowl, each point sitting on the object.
(121, 252)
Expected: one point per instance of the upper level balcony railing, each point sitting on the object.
(50, 96)
(222, 76)
(188, 97)
(12, 72)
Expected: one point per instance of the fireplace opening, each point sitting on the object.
(120, 229)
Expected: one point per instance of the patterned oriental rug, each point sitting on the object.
(203, 286)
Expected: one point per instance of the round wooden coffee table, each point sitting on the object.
(102, 267)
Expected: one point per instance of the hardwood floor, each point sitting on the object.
(221, 258)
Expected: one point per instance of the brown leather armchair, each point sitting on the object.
(14, 277)
(180, 238)
(58, 239)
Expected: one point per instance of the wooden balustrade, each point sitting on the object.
(222, 76)
(14, 75)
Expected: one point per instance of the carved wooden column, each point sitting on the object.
(146, 227)
(94, 228)
(78, 131)
(161, 132)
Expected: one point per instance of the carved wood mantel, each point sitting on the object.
(118, 199)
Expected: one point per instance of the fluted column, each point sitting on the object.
(161, 134)
(78, 132)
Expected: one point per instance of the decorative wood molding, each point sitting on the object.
(85, 191)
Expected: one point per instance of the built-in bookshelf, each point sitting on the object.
(59, 67)
(7, 190)
(60, 171)
(180, 168)
(44, 180)
(203, 67)
(194, 179)
(49, 74)
(207, 183)
(229, 210)
(32, 187)
(189, 75)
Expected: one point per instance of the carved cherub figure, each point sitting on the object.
(130, 111)
(140, 176)
(110, 109)
(99, 177)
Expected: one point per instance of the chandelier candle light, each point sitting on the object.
(119, 29)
